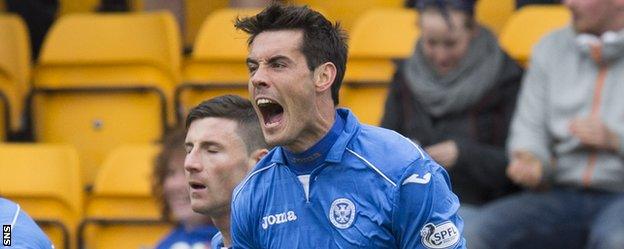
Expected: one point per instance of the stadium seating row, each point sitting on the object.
(107, 79)
(492, 13)
(197, 10)
(120, 211)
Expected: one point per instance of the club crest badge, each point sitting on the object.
(342, 213)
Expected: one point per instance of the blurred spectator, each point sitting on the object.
(224, 142)
(520, 3)
(566, 140)
(38, 15)
(455, 97)
(193, 230)
(25, 234)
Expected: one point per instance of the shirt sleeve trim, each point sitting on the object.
(249, 177)
(372, 166)
(17, 211)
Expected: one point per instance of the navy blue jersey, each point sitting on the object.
(375, 189)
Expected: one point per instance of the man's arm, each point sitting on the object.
(529, 135)
(425, 210)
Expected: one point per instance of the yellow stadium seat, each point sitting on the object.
(121, 208)
(104, 80)
(124, 183)
(44, 179)
(77, 6)
(196, 13)
(128, 234)
(528, 25)
(347, 12)
(378, 37)
(217, 65)
(14, 71)
(494, 13)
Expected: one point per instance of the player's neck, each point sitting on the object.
(222, 222)
(314, 132)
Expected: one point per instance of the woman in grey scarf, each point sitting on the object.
(455, 97)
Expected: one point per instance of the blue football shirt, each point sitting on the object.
(374, 189)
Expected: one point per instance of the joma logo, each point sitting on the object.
(278, 219)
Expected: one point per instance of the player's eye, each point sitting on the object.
(252, 67)
(212, 149)
(278, 65)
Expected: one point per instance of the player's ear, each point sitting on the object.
(324, 76)
(255, 156)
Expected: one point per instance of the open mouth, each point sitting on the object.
(272, 112)
(197, 186)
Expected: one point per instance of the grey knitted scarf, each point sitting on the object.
(463, 86)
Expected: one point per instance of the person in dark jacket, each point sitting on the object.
(455, 97)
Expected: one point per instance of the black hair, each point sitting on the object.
(234, 108)
(322, 41)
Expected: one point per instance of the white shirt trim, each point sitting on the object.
(422, 155)
(249, 177)
(372, 166)
(305, 181)
(15, 216)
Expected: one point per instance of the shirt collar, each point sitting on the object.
(351, 127)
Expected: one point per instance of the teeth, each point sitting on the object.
(263, 101)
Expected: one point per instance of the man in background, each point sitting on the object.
(223, 142)
(566, 140)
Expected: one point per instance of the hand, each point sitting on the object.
(594, 133)
(444, 153)
(525, 169)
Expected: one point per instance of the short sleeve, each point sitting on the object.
(425, 210)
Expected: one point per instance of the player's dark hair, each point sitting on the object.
(234, 108)
(322, 41)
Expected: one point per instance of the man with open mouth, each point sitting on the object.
(331, 182)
